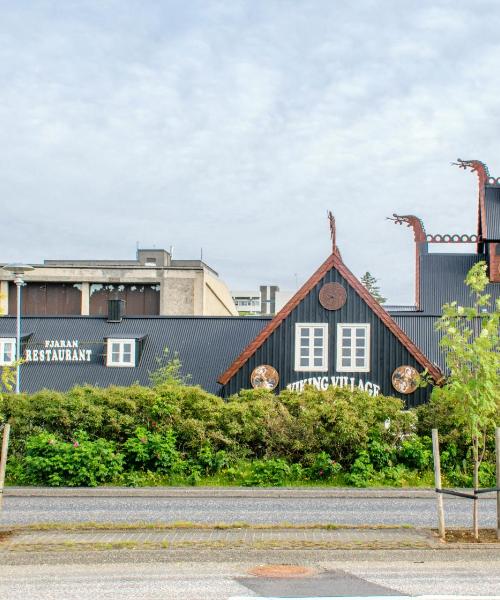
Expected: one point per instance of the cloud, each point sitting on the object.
(235, 126)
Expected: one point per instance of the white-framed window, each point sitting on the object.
(353, 347)
(120, 353)
(7, 351)
(311, 346)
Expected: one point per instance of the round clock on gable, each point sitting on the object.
(264, 376)
(332, 296)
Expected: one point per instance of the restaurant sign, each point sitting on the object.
(58, 351)
(322, 383)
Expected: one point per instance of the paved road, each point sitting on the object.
(349, 511)
(221, 580)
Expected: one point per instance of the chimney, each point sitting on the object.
(116, 310)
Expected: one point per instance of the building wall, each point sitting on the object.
(387, 352)
(67, 290)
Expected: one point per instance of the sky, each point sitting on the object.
(233, 126)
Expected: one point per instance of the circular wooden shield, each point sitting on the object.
(332, 296)
(264, 377)
(405, 379)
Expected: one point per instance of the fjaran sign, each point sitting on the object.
(322, 383)
(58, 351)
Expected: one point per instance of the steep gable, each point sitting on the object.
(389, 346)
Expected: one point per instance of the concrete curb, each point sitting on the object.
(221, 492)
(217, 492)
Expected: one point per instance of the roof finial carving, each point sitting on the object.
(333, 230)
(333, 233)
(411, 221)
(476, 166)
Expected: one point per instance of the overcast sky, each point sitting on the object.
(233, 126)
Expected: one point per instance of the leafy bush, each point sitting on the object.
(153, 451)
(180, 434)
(323, 467)
(362, 471)
(381, 455)
(274, 472)
(416, 453)
(51, 461)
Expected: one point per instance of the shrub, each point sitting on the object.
(362, 471)
(212, 461)
(323, 467)
(51, 461)
(273, 472)
(153, 451)
(415, 452)
(381, 455)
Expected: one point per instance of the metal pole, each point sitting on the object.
(3, 459)
(497, 452)
(19, 283)
(437, 482)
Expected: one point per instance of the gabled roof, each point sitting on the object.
(334, 261)
(205, 346)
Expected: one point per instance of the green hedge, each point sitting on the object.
(175, 433)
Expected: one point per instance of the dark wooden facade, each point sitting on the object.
(275, 346)
(52, 299)
(40, 298)
(140, 299)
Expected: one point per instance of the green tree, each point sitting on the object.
(370, 282)
(168, 371)
(471, 346)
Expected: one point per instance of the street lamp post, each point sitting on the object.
(18, 270)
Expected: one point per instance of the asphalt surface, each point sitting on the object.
(419, 512)
(222, 580)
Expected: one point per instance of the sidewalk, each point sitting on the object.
(31, 539)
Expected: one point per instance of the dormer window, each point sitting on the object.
(7, 351)
(120, 352)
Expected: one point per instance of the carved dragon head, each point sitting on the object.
(411, 221)
(476, 166)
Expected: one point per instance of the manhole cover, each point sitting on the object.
(281, 571)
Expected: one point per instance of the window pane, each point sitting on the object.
(126, 357)
(360, 362)
(318, 362)
(360, 343)
(360, 333)
(346, 332)
(304, 341)
(346, 362)
(360, 352)
(318, 342)
(318, 332)
(304, 362)
(318, 351)
(304, 352)
(304, 331)
(346, 352)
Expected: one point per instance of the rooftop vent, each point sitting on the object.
(116, 310)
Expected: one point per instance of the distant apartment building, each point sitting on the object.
(268, 300)
(152, 284)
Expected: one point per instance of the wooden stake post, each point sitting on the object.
(437, 482)
(3, 459)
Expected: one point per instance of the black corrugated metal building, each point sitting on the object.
(332, 332)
